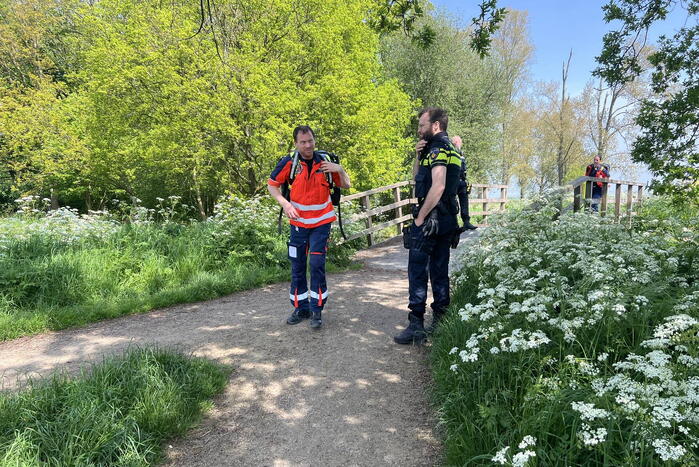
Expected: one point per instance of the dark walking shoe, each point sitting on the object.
(316, 322)
(467, 225)
(436, 318)
(414, 333)
(297, 316)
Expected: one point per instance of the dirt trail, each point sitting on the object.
(345, 395)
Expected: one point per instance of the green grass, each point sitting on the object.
(48, 284)
(118, 413)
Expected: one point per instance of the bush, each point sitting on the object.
(117, 413)
(246, 230)
(573, 340)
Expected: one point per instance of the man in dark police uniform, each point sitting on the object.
(435, 223)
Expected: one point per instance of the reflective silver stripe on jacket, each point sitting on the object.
(311, 207)
(313, 220)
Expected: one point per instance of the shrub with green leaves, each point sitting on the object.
(573, 341)
(117, 413)
(246, 230)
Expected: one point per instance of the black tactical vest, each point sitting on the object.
(440, 151)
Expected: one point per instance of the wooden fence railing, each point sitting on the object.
(481, 192)
(399, 210)
(582, 195)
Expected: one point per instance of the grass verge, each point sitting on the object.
(117, 413)
(205, 285)
(48, 284)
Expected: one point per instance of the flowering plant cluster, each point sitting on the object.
(576, 325)
(246, 230)
(166, 211)
(63, 226)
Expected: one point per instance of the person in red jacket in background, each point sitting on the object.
(310, 212)
(597, 170)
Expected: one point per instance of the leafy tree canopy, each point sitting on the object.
(669, 119)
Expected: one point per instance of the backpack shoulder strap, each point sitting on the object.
(329, 157)
(294, 165)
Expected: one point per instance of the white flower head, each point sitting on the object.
(521, 458)
(527, 441)
(500, 456)
(667, 451)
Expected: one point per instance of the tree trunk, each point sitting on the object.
(560, 153)
(88, 199)
(252, 181)
(54, 199)
(197, 193)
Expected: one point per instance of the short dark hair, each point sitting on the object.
(303, 129)
(437, 114)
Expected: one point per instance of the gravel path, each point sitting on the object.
(342, 396)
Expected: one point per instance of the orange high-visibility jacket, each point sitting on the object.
(310, 191)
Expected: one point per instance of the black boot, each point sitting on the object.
(414, 333)
(297, 316)
(316, 322)
(467, 224)
(436, 318)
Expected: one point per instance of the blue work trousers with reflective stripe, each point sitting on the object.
(308, 246)
(430, 261)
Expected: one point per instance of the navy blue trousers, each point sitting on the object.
(596, 197)
(430, 262)
(308, 247)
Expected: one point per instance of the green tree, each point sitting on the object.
(150, 106)
(37, 152)
(669, 120)
(449, 74)
(559, 150)
(35, 57)
(35, 40)
(512, 52)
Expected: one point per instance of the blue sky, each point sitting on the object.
(556, 27)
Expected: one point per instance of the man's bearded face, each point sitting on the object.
(424, 127)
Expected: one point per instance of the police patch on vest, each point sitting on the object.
(434, 154)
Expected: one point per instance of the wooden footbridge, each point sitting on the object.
(383, 207)
(380, 209)
(627, 195)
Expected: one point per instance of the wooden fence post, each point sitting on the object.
(399, 209)
(617, 201)
(484, 196)
(366, 206)
(603, 207)
(503, 198)
(629, 201)
(577, 198)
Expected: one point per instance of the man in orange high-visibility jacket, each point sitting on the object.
(310, 212)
